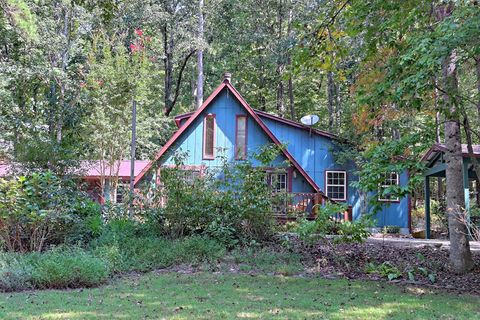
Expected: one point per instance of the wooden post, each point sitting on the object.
(466, 188)
(347, 215)
(132, 150)
(427, 207)
(317, 200)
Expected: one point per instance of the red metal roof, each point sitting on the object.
(226, 84)
(92, 169)
(441, 147)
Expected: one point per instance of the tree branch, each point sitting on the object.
(179, 80)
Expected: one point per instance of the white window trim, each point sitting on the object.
(269, 180)
(386, 186)
(344, 185)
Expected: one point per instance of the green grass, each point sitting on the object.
(229, 296)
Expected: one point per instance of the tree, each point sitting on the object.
(200, 55)
(460, 254)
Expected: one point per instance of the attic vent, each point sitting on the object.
(227, 77)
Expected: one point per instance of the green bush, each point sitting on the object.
(149, 253)
(59, 268)
(67, 268)
(197, 249)
(41, 209)
(15, 272)
(231, 204)
(324, 224)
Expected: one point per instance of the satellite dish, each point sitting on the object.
(309, 120)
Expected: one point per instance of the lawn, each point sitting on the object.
(228, 296)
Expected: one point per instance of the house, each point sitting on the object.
(92, 173)
(226, 121)
(434, 160)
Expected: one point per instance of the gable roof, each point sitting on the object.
(441, 147)
(191, 118)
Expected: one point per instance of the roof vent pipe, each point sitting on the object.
(227, 77)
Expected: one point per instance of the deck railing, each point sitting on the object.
(291, 206)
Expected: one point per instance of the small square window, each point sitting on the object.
(389, 180)
(278, 181)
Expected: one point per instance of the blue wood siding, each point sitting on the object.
(226, 108)
(314, 153)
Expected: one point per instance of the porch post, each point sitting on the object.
(427, 207)
(466, 189)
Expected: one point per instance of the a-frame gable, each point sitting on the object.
(226, 85)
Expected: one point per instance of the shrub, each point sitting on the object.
(324, 224)
(41, 210)
(386, 269)
(67, 268)
(268, 260)
(232, 204)
(129, 246)
(15, 272)
(198, 249)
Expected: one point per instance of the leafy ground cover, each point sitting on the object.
(426, 266)
(204, 295)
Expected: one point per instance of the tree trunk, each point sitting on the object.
(280, 65)
(168, 65)
(200, 55)
(171, 96)
(61, 82)
(477, 65)
(460, 255)
(438, 137)
(291, 99)
(331, 100)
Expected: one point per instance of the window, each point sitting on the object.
(209, 137)
(122, 190)
(278, 181)
(390, 180)
(189, 176)
(241, 137)
(336, 185)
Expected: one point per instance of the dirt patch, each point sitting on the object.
(425, 266)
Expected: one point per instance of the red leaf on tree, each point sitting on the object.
(139, 32)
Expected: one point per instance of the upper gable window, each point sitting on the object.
(336, 185)
(390, 180)
(209, 137)
(241, 137)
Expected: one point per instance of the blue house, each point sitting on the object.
(227, 122)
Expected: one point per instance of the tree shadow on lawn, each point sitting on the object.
(233, 296)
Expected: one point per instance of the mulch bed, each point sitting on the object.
(352, 260)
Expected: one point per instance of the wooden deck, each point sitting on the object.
(291, 206)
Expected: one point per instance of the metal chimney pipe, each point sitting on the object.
(227, 77)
